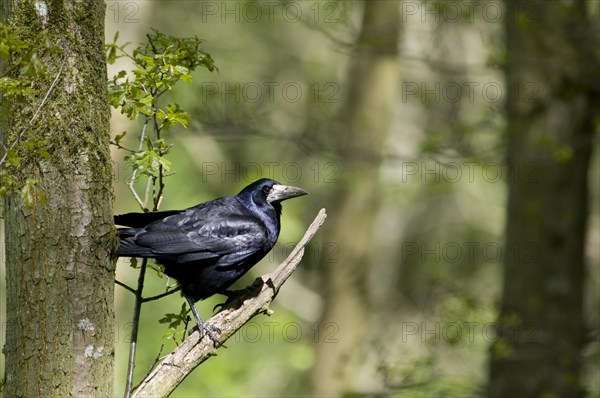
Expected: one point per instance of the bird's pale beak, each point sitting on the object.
(282, 192)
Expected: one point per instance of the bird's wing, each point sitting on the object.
(232, 240)
(205, 233)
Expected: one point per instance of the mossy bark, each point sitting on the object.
(60, 251)
(550, 136)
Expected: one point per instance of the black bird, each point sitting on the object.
(208, 247)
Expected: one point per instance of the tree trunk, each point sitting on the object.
(368, 114)
(59, 252)
(552, 81)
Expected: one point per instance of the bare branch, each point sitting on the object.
(135, 327)
(175, 367)
(134, 192)
(159, 296)
(131, 181)
(125, 286)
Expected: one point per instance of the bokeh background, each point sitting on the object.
(399, 130)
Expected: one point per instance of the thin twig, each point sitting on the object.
(135, 327)
(159, 296)
(175, 367)
(115, 143)
(156, 361)
(156, 199)
(151, 298)
(161, 185)
(135, 171)
(36, 113)
(161, 92)
(143, 134)
(132, 290)
(148, 192)
(135, 194)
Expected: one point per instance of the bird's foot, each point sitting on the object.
(233, 295)
(210, 330)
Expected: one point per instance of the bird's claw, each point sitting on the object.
(212, 332)
(207, 329)
(231, 295)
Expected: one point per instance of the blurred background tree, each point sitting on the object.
(363, 126)
(404, 141)
(541, 323)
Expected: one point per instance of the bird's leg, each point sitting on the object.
(202, 326)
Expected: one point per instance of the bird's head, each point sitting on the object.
(278, 192)
(270, 191)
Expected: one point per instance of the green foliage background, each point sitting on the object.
(247, 122)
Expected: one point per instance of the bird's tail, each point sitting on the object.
(127, 247)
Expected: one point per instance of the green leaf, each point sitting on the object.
(166, 165)
(157, 66)
(182, 70)
(147, 99)
(119, 137)
(111, 55)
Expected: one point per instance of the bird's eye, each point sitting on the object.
(266, 189)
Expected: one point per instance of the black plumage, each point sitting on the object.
(208, 247)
